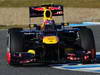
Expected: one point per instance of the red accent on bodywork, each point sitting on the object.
(51, 8)
(54, 8)
(71, 54)
(8, 54)
(86, 57)
(38, 9)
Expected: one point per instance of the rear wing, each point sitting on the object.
(37, 11)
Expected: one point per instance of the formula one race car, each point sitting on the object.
(50, 42)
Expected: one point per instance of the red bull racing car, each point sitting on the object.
(50, 42)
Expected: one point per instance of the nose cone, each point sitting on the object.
(50, 40)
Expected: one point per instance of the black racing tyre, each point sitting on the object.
(87, 42)
(86, 39)
(16, 39)
(15, 43)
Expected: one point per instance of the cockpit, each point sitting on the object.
(49, 30)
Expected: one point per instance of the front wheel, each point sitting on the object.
(87, 43)
(14, 44)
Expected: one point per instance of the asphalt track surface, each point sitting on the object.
(5, 69)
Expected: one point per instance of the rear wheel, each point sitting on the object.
(87, 43)
(15, 44)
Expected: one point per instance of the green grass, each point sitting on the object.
(67, 3)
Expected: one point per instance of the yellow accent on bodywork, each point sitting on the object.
(50, 40)
(31, 51)
(45, 18)
(44, 14)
